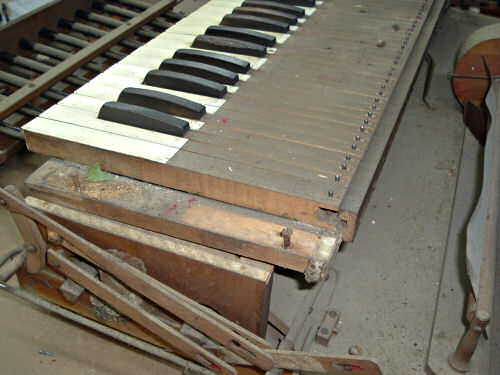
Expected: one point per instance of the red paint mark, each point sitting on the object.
(217, 368)
(224, 120)
(356, 368)
(192, 199)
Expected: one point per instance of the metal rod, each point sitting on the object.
(77, 42)
(56, 53)
(111, 22)
(95, 32)
(127, 13)
(12, 132)
(115, 334)
(20, 82)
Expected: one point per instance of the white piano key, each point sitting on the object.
(101, 139)
(121, 82)
(88, 118)
(94, 105)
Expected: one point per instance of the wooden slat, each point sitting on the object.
(44, 81)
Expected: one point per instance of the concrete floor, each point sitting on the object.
(388, 278)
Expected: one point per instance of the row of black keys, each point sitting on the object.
(202, 72)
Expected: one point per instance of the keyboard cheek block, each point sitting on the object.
(185, 82)
(163, 102)
(144, 118)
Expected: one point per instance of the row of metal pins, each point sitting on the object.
(376, 100)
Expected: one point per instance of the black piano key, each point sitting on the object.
(144, 118)
(242, 34)
(267, 13)
(240, 47)
(296, 11)
(163, 102)
(185, 82)
(202, 70)
(231, 63)
(254, 22)
(298, 3)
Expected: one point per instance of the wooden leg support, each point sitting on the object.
(460, 359)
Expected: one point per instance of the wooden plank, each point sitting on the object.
(156, 208)
(45, 80)
(203, 274)
(135, 312)
(36, 246)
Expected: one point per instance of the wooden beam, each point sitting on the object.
(51, 77)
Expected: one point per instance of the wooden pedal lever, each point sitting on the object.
(138, 314)
(162, 295)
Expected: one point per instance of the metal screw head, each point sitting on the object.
(374, 106)
(398, 57)
(358, 137)
(387, 80)
(333, 314)
(376, 99)
(395, 62)
(365, 121)
(383, 86)
(348, 157)
(337, 177)
(3, 202)
(380, 92)
(330, 193)
(354, 146)
(344, 166)
(370, 113)
(402, 46)
(390, 73)
(393, 67)
(361, 128)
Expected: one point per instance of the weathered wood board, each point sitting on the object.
(206, 275)
(193, 218)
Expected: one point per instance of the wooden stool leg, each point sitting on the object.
(460, 359)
